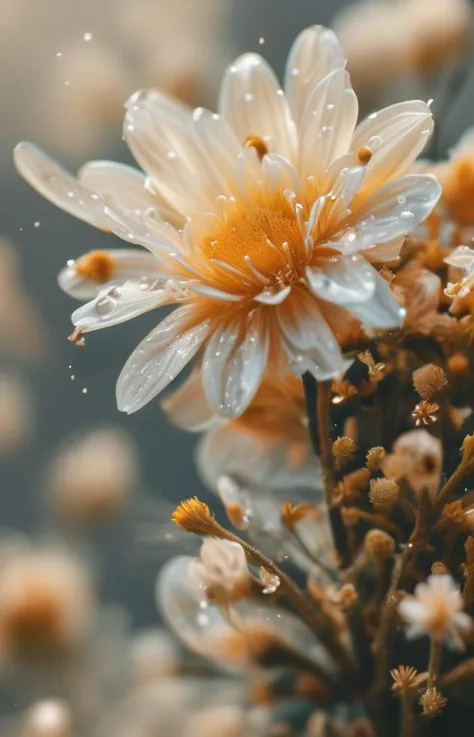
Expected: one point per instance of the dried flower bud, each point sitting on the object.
(469, 545)
(195, 516)
(377, 371)
(353, 483)
(438, 568)
(379, 544)
(269, 582)
(347, 597)
(350, 515)
(406, 678)
(383, 493)
(425, 413)
(468, 448)
(343, 450)
(375, 457)
(291, 514)
(458, 364)
(429, 380)
(432, 702)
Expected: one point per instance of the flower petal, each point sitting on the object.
(315, 53)
(381, 310)
(127, 264)
(159, 132)
(220, 145)
(307, 338)
(386, 252)
(327, 125)
(396, 135)
(116, 304)
(159, 358)
(58, 186)
(343, 282)
(188, 407)
(233, 363)
(394, 210)
(461, 257)
(254, 105)
(267, 298)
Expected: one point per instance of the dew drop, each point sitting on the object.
(401, 200)
(85, 390)
(87, 36)
(374, 143)
(59, 54)
(406, 215)
(104, 306)
(36, 224)
(261, 40)
(248, 97)
(72, 377)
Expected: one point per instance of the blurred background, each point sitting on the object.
(73, 471)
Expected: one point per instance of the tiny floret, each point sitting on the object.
(221, 570)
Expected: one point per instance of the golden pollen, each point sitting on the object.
(98, 266)
(364, 154)
(258, 144)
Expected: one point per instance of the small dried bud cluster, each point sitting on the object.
(379, 544)
(343, 391)
(429, 380)
(375, 457)
(353, 483)
(433, 702)
(343, 450)
(406, 678)
(291, 514)
(425, 413)
(458, 364)
(383, 493)
(377, 371)
(453, 514)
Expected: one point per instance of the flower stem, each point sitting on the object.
(436, 652)
(384, 633)
(407, 714)
(461, 472)
(318, 408)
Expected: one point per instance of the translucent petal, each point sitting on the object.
(233, 363)
(159, 358)
(461, 257)
(307, 338)
(381, 310)
(58, 186)
(394, 210)
(315, 53)
(327, 125)
(116, 304)
(128, 264)
(254, 105)
(220, 145)
(396, 135)
(160, 134)
(188, 407)
(343, 282)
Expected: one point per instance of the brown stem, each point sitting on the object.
(314, 618)
(436, 652)
(325, 443)
(458, 673)
(468, 591)
(461, 472)
(383, 636)
(407, 714)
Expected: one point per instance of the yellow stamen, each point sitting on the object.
(258, 144)
(98, 266)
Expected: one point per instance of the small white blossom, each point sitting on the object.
(436, 610)
(221, 570)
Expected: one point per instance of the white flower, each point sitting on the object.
(263, 220)
(436, 609)
(221, 570)
(461, 257)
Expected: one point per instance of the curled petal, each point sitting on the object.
(344, 282)
(268, 298)
(159, 358)
(254, 105)
(233, 363)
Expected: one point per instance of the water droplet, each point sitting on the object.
(87, 36)
(248, 97)
(401, 200)
(72, 377)
(36, 224)
(374, 142)
(104, 306)
(261, 40)
(59, 54)
(85, 390)
(406, 215)
(67, 83)
(330, 106)
(295, 71)
(171, 155)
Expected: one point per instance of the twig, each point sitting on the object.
(407, 714)
(461, 472)
(436, 652)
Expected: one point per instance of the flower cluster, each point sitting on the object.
(321, 282)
